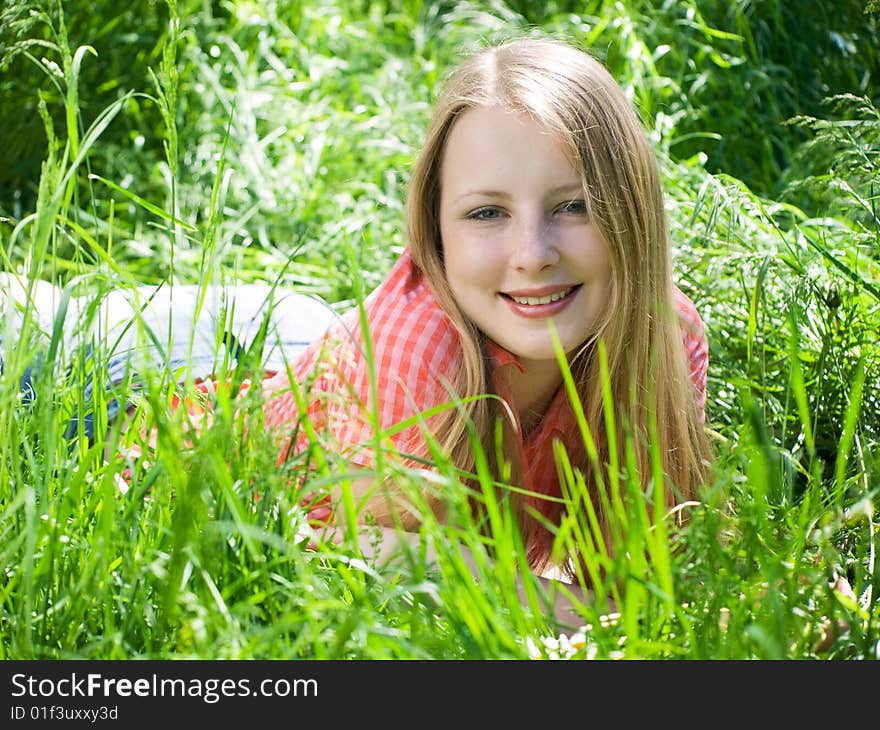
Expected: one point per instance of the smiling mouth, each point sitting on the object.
(537, 301)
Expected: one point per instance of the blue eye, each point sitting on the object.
(485, 214)
(574, 207)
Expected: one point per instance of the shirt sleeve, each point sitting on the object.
(696, 346)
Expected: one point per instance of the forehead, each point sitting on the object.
(494, 144)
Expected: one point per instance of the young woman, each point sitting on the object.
(535, 207)
(535, 212)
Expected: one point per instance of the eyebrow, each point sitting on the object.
(566, 188)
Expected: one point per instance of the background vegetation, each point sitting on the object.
(198, 141)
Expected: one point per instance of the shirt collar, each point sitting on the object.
(498, 356)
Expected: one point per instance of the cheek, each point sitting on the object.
(469, 260)
(594, 262)
(459, 273)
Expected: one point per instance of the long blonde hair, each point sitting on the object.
(573, 96)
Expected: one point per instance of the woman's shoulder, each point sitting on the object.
(690, 318)
(696, 345)
(409, 336)
(406, 320)
(407, 354)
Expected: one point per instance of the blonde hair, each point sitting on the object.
(573, 96)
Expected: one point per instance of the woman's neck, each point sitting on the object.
(532, 389)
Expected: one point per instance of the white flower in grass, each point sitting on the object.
(561, 647)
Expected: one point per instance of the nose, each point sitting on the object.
(534, 247)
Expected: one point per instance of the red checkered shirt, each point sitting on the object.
(416, 350)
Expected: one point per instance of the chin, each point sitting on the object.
(534, 354)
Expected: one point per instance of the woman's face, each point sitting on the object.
(518, 246)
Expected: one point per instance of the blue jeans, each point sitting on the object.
(185, 329)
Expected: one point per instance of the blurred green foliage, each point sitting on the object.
(126, 38)
(745, 68)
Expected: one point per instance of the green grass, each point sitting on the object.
(272, 141)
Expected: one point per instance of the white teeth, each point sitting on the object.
(542, 300)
